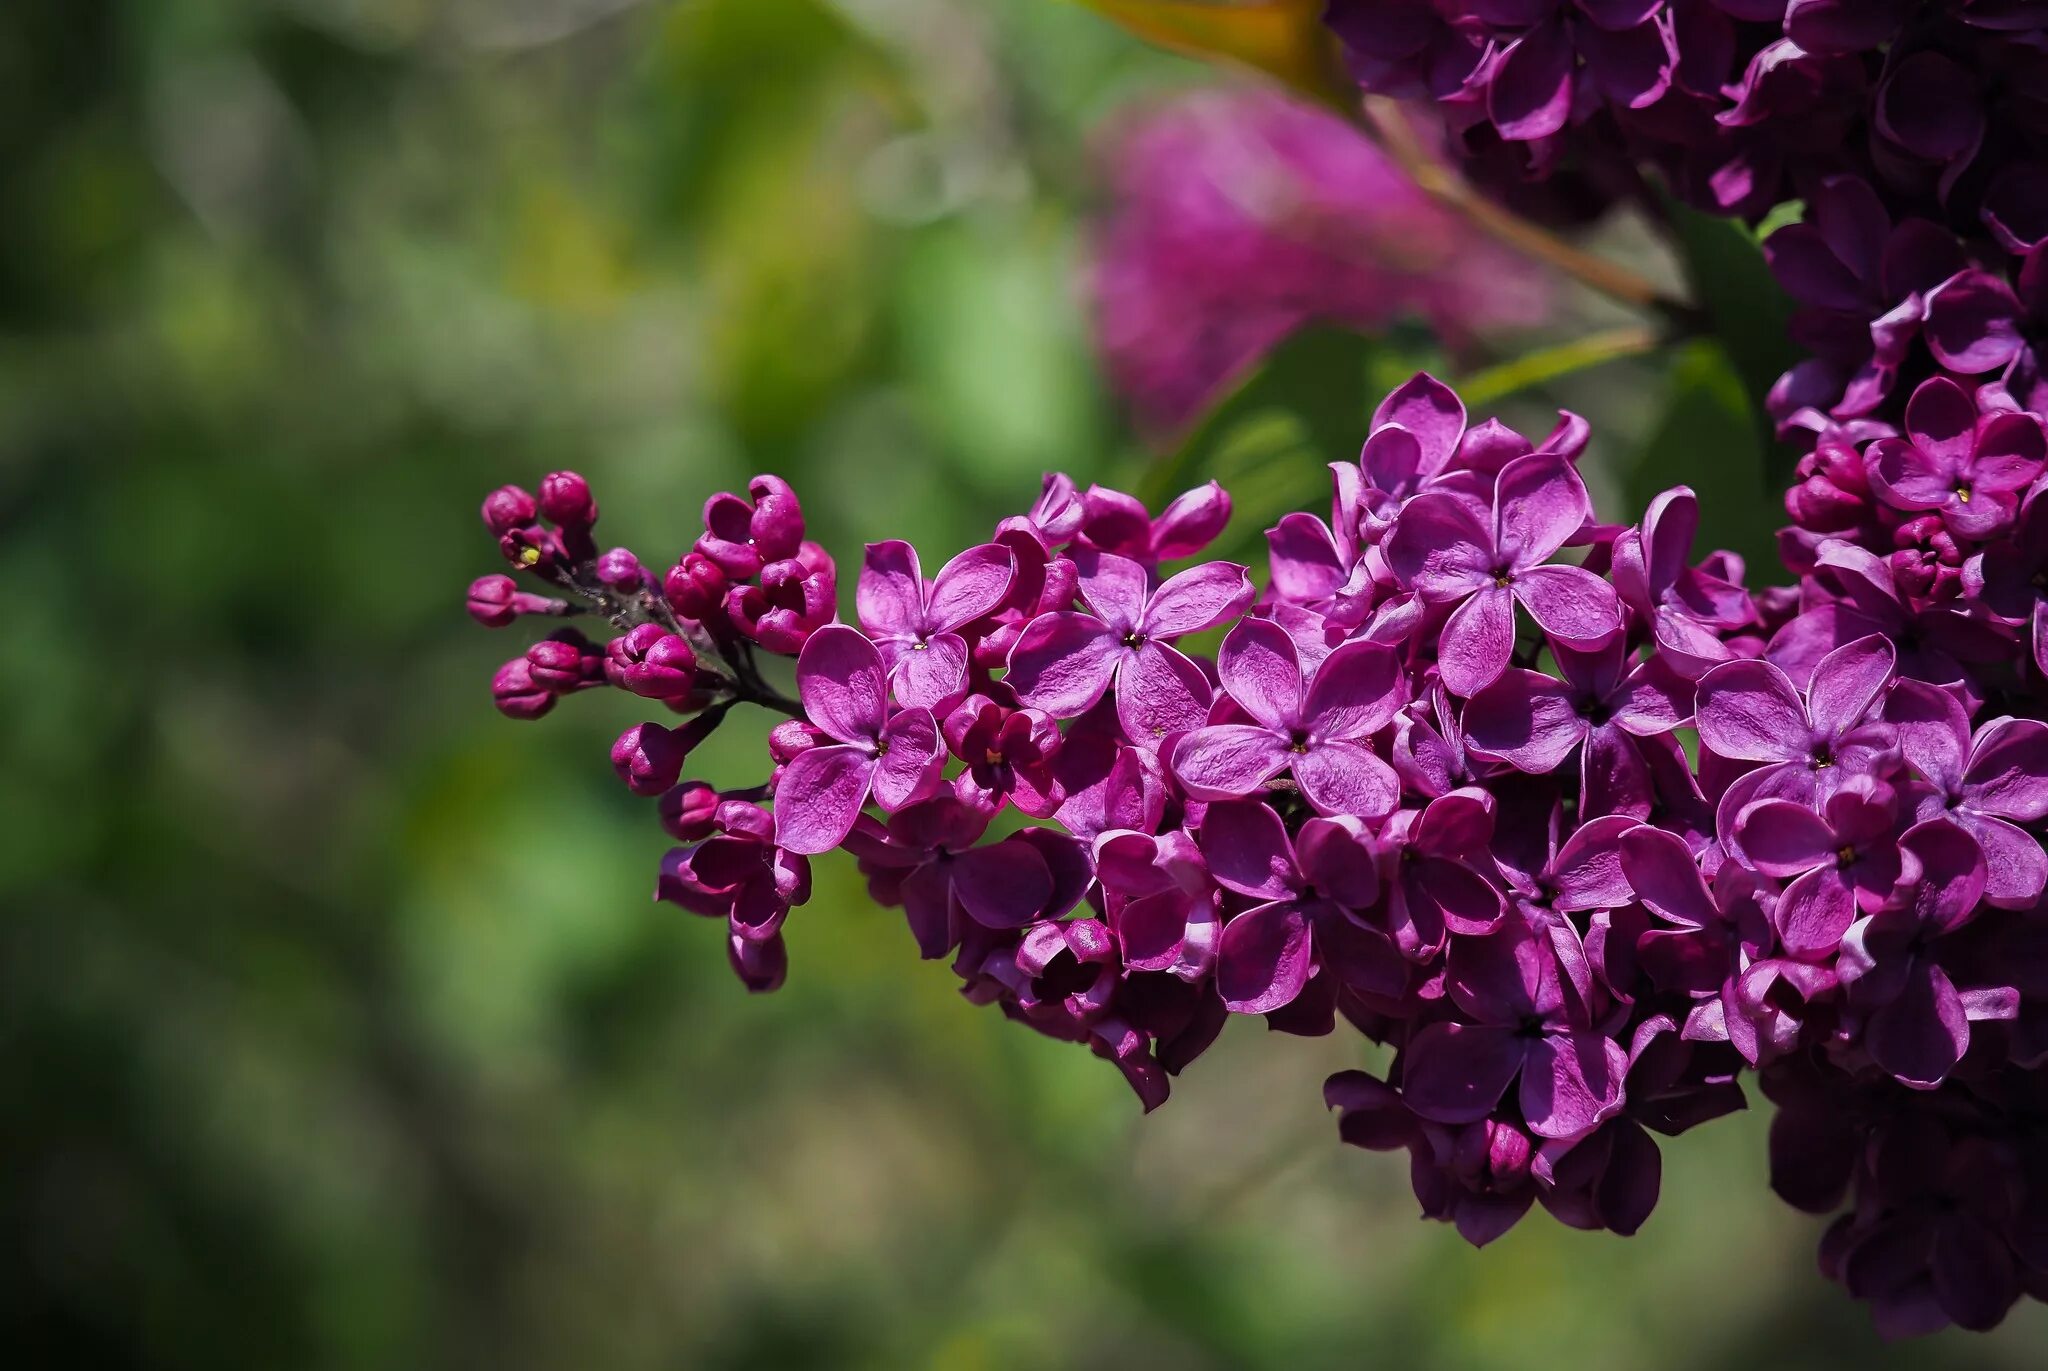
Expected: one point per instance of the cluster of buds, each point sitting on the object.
(1581, 839)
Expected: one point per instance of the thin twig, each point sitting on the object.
(1490, 384)
(1389, 124)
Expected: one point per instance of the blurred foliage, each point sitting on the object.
(339, 1030)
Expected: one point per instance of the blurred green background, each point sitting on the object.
(336, 1026)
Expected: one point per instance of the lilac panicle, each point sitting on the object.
(1579, 838)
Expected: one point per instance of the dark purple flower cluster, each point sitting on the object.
(1578, 840)
(1737, 104)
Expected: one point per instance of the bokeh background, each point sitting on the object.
(336, 1026)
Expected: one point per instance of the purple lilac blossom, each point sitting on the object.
(1388, 805)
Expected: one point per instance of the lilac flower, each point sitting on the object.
(1008, 755)
(1313, 886)
(2010, 577)
(1839, 860)
(1316, 724)
(1969, 468)
(1117, 523)
(1444, 552)
(1064, 662)
(1600, 707)
(1518, 1027)
(895, 757)
(917, 625)
(1434, 870)
(1989, 786)
(1809, 744)
(1685, 608)
(741, 536)
(1933, 640)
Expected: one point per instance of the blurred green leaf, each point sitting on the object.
(1748, 311)
(1710, 437)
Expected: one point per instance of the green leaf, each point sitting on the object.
(1709, 437)
(1270, 441)
(1749, 312)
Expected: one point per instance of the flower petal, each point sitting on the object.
(912, 756)
(839, 679)
(1477, 641)
(970, 587)
(1569, 603)
(1002, 885)
(1224, 760)
(1062, 663)
(930, 671)
(1248, 850)
(1526, 719)
(1341, 777)
(1198, 598)
(1456, 1072)
(890, 595)
(1158, 691)
(1539, 502)
(1262, 961)
(1262, 672)
(1814, 912)
(1439, 548)
(1356, 691)
(818, 797)
(1571, 1083)
(1748, 711)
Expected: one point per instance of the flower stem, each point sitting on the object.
(1388, 123)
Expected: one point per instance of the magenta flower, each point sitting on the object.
(1117, 523)
(1969, 468)
(1809, 744)
(1516, 1027)
(895, 757)
(1314, 886)
(1314, 723)
(1008, 755)
(1603, 704)
(917, 625)
(1839, 860)
(1441, 549)
(1433, 859)
(2011, 577)
(1686, 609)
(1064, 662)
(1991, 786)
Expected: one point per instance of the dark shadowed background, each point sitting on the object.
(337, 1028)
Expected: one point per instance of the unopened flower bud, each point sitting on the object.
(696, 589)
(689, 811)
(565, 662)
(778, 520)
(490, 600)
(791, 738)
(651, 662)
(507, 508)
(619, 570)
(517, 695)
(566, 501)
(649, 758)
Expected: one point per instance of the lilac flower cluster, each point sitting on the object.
(1578, 840)
(1236, 216)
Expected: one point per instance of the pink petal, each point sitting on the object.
(1198, 598)
(1780, 838)
(1569, 603)
(1062, 663)
(1262, 961)
(1432, 413)
(1337, 859)
(1455, 1073)
(1934, 732)
(970, 587)
(1661, 870)
(1114, 587)
(1814, 912)
(1748, 711)
(2008, 771)
(1539, 502)
(1439, 548)
(890, 596)
(1261, 671)
(818, 797)
(1307, 566)
(912, 757)
(1587, 871)
(1229, 759)
(841, 683)
(1848, 681)
(1002, 885)
(1191, 522)
(1477, 641)
(1571, 1083)
(1530, 96)
(1248, 850)
(1920, 1036)
(2016, 869)
(931, 670)
(1158, 691)
(1526, 719)
(1339, 777)
(1357, 690)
